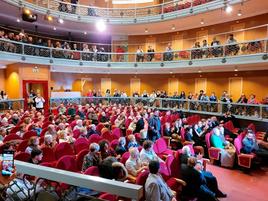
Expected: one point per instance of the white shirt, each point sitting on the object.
(39, 102)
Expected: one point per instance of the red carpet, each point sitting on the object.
(241, 186)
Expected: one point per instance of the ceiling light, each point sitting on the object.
(27, 11)
(202, 21)
(173, 27)
(228, 8)
(54, 28)
(239, 13)
(61, 21)
(235, 69)
(18, 20)
(199, 71)
(170, 72)
(100, 25)
(49, 18)
(146, 30)
(85, 33)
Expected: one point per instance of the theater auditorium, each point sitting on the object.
(145, 100)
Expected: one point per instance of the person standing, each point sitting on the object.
(39, 101)
(74, 2)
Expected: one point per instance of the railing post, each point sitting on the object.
(162, 8)
(261, 112)
(265, 45)
(22, 49)
(48, 4)
(50, 53)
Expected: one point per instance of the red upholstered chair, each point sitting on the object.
(230, 126)
(67, 163)
(22, 156)
(259, 135)
(107, 135)
(107, 196)
(76, 133)
(14, 129)
(99, 127)
(80, 158)
(93, 171)
(117, 132)
(81, 144)
(213, 153)
(129, 132)
(48, 155)
(63, 149)
(43, 132)
(46, 124)
(114, 143)
(124, 157)
(22, 146)
(29, 134)
(244, 160)
(73, 124)
(161, 149)
(94, 138)
(11, 137)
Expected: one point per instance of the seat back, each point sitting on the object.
(114, 143)
(76, 133)
(80, 158)
(124, 157)
(161, 146)
(14, 129)
(141, 178)
(81, 144)
(43, 132)
(207, 139)
(117, 132)
(22, 156)
(182, 134)
(48, 154)
(107, 196)
(29, 134)
(93, 171)
(22, 146)
(94, 138)
(11, 137)
(99, 127)
(238, 144)
(67, 163)
(252, 127)
(63, 149)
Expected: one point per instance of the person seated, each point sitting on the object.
(51, 130)
(155, 186)
(81, 112)
(33, 143)
(71, 111)
(197, 52)
(15, 119)
(104, 119)
(92, 130)
(168, 54)
(226, 132)
(93, 158)
(199, 132)
(92, 116)
(36, 156)
(120, 122)
(234, 48)
(132, 125)
(105, 149)
(150, 54)
(49, 142)
(79, 126)
(227, 149)
(242, 99)
(133, 164)
(22, 130)
(147, 153)
(110, 168)
(62, 109)
(252, 99)
(37, 129)
(132, 141)
(121, 147)
(196, 186)
(167, 130)
(139, 54)
(216, 50)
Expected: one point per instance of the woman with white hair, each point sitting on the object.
(133, 164)
(93, 158)
(49, 141)
(79, 126)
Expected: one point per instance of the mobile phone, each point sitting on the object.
(7, 163)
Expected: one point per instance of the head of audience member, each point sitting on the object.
(48, 140)
(132, 138)
(122, 141)
(186, 150)
(4, 122)
(79, 123)
(148, 145)
(33, 141)
(94, 148)
(119, 171)
(167, 126)
(134, 153)
(191, 162)
(250, 134)
(36, 156)
(104, 145)
(154, 167)
(51, 129)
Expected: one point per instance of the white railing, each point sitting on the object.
(126, 190)
(251, 47)
(258, 112)
(11, 104)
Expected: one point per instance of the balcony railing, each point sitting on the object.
(205, 53)
(15, 104)
(258, 112)
(168, 10)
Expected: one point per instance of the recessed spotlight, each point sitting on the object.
(239, 13)
(61, 21)
(199, 71)
(235, 69)
(18, 20)
(146, 30)
(228, 8)
(85, 33)
(173, 27)
(170, 72)
(54, 28)
(27, 11)
(49, 18)
(202, 21)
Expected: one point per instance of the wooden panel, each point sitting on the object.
(202, 35)
(172, 86)
(150, 41)
(240, 35)
(135, 85)
(106, 83)
(235, 87)
(86, 85)
(200, 84)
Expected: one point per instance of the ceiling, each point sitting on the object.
(249, 8)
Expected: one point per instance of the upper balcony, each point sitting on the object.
(131, 15)
(208, 58)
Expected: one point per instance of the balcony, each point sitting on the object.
(63, 60)
(82, 13)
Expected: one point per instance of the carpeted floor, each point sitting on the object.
(241, 186)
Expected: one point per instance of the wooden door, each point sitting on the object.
(135, 85)
(173, 85)
(106, 83)
(200, 84)
(235, 87)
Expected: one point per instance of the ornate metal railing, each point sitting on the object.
(243, 111)
(217, 51)
(131, 15)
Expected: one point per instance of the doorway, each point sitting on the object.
(38, 87)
